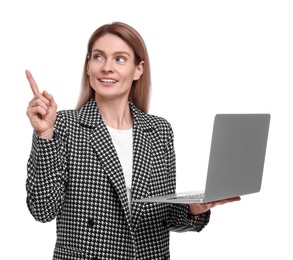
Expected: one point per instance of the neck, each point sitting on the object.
(115, 114)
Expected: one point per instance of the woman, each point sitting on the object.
(88, 164)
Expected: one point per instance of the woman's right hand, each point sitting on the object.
(41, 110)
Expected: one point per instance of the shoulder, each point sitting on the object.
(153, 123)
(159, 122)
(67, 115)
(149, 120)
(161, 128)
(87, 115)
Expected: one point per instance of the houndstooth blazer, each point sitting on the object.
(76, 177)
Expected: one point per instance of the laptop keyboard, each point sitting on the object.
(193, 196)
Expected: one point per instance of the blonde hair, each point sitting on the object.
(140, 90)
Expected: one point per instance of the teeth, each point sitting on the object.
(108, 80)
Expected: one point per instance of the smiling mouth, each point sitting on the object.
(108, 80)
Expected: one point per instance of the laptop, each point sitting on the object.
(236, 162)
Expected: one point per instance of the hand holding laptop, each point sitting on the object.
(199, 208)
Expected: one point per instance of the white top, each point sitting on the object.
(122, 140)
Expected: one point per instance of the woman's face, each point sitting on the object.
(111, 68)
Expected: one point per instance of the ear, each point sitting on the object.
(138, 71)
(88, 64)
(87, 68)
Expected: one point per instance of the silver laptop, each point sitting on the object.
(236, 161)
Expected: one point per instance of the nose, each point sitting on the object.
(107, 66)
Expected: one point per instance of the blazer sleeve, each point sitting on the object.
(179, 219)
(46, 175)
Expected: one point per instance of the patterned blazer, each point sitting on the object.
(77, 178)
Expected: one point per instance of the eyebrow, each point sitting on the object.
(115, 53)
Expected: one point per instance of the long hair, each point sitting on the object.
(140, 90)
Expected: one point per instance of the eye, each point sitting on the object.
(98, 57)
(121, 59)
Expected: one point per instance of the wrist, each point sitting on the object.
(48, 134)
(192, 213)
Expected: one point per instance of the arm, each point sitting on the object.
(47, 177)
(46, 165)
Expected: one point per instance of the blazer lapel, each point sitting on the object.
(101, 141)
(142, 163)
(145, 140)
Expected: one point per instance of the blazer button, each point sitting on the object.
(90, 224)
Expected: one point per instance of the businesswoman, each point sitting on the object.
(87, 165)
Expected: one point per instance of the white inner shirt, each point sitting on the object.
(122, 140)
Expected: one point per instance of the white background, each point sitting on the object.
(207, 57)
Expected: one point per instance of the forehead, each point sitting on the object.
(110, 43)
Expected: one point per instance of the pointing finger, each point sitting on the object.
(32, 82)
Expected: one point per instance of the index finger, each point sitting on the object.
(32, 82)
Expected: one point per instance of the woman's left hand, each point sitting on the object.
(199, 208)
